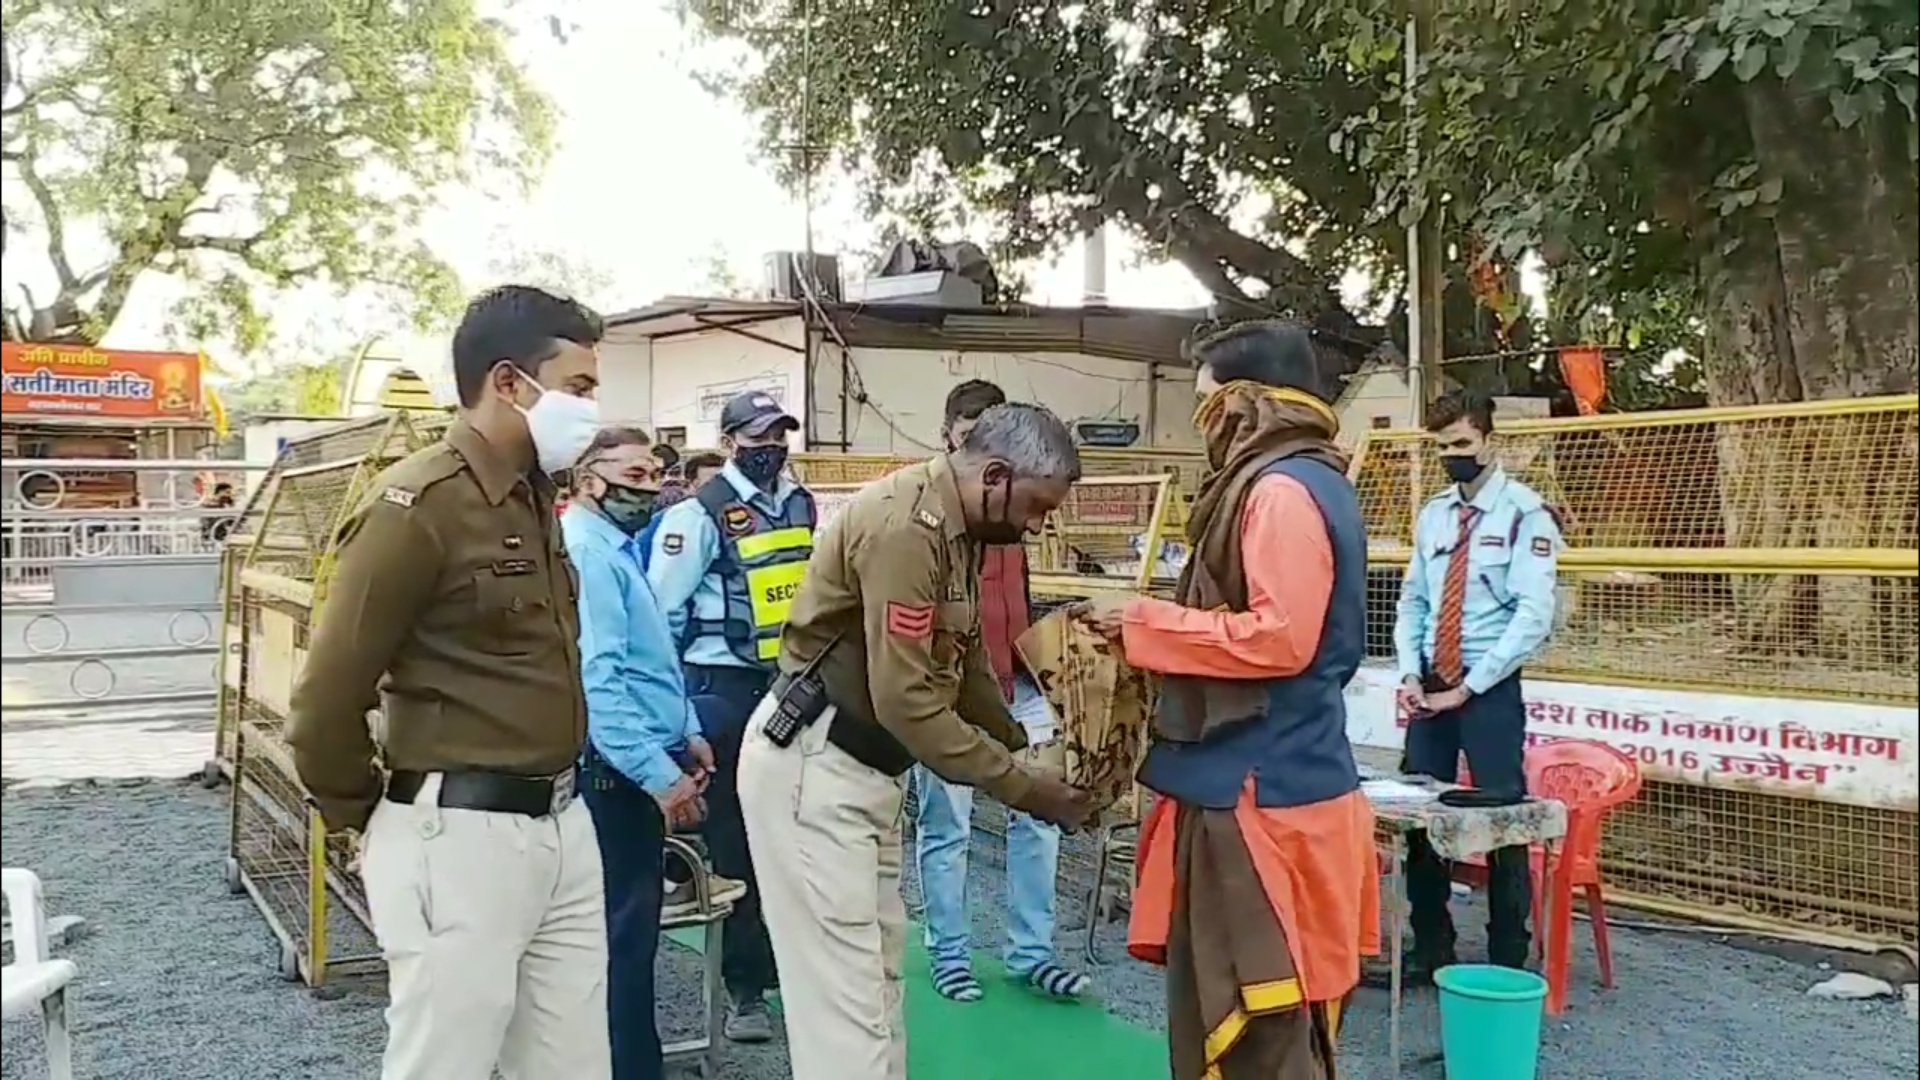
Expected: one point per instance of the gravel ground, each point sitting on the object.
(178, 979)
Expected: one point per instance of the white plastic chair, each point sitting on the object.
(35, 978)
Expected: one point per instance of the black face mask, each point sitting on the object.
(1461, 468)
(998, 530)
(629, 508)
(761, 465)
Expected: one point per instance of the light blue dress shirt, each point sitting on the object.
(638, 714)
(684, 549)
(1513, 556)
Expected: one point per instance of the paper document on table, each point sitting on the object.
(1395, 791)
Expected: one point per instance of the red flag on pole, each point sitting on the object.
(1584, 368)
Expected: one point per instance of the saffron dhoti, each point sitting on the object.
(1260, 917)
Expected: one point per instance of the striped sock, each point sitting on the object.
(956, 983)
(1055, 981)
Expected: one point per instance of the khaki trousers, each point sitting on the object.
(495, 935)
(825, 836)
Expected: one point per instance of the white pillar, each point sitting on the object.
(1093, 292)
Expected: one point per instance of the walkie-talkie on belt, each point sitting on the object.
(800, 702)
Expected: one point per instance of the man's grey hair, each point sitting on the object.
(1033, 441)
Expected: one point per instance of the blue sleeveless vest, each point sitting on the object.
(1298, 753)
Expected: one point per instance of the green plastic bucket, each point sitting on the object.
(1490, 1021)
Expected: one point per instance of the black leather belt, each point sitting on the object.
(869, 744)
(500, 793)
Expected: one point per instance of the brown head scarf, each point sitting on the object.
(1248, 427)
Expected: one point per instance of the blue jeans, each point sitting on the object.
(944, 825)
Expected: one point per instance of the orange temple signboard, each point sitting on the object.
(83, 381)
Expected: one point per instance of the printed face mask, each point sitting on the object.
(761, 465)
(560, 425)
(629, 508)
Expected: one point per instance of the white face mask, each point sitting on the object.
(561, 426)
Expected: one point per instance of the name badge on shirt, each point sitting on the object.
(1493, 541)
(512, 567)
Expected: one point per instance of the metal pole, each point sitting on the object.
(1425, 343)
(806, 130)
(1416, 395)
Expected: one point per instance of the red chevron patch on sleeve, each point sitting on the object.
(911, 621)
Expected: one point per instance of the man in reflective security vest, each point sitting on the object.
(725, 565)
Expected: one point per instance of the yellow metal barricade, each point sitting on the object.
(1759, 552)
(279, 564)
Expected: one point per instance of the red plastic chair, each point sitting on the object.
(1591, 778)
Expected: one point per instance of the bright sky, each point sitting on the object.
(653, 177)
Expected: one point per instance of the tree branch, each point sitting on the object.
(55, 223)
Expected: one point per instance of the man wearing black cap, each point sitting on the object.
(725, 565)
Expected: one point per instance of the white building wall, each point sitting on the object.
(262, 443)
(1381, 400)
(898, 394)
(626, 380)
(901, 394)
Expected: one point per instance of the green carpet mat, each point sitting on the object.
(1012, 1033)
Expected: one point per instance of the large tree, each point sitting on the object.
(1738, 175)
(1749, 162)
(1756, 157)
(246, 148)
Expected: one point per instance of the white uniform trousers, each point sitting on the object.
(494, 930)
(824, 831)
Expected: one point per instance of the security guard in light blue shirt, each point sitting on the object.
(726, 564)
(1477, 602)
(646, 760)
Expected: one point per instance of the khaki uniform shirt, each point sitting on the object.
(451, 604)
(897, 574)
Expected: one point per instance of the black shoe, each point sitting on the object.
(1510, 956)
(1416, 970)
(749, 1022)
(1421, 966)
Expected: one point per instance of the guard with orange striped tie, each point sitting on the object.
(1477, 602)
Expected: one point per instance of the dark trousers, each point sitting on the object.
(631, 829)
(1491, 728)
(724, 697)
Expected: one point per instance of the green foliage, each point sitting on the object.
(1618, 138)
(1027, 112)
(298, 389)
(1265, 144)
(251, 147)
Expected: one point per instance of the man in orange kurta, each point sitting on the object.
(1258, 886)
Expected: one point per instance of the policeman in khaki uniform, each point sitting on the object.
(882, 665)
(725, 566)
(452, 605)
(1477, 602)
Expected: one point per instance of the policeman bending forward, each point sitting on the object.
(452, 586)
(882, 664)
